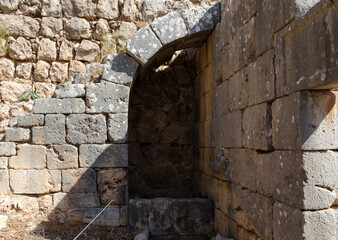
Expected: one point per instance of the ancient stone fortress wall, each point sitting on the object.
(268, 120)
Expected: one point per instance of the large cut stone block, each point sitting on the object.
(107, 97)
(118, 127)
(305, 120)
(29, 157)
(110, 217)
(238, 96)
(4, 182)
(53, 105)
(143, 45)
(17, 134)
(62, 157)
(54, 131)
(81, 180)
(70, 90)
(85, 128)
(75, 200)
(114, 155)
(31, 181)
(7, 149)
(30, 120)
(120, 68)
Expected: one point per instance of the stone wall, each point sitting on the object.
(268, 120)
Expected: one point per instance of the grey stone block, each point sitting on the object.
(30, 120)
(120, 68)
(118, 127)
(38, 135)
(75, 200)
(107, 97)
(143, 45)
(53, 105)
(7, 149)
(62, 157)
(56, 175)
(197, 19)
(54, 130)
(4, 182)
(238, 95)
(70, 90)
(29, 157)
(169, 28)
(85, 128)
(17, 134)
(110, 217)
(81, 180)
(114, 155)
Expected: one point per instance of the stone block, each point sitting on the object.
(62, 157)
(169, 28)
(9, 6)
(7, 149)
(10, 91)
(7, 69)
(4, 182)
(77, 28)
(3, 221)
(238, 92)
(17, 134)
(257, 127)
(320, 225)
(81, 180)
(51, 8)
(66, 50)
(56, 175)
(54, 130)
(30, 120)
(47, 50)
(51, 27)
(112, 185)
(305, 120)
(197, 19)
(143, 45)
(79, 8)
(76, 67)
(29, 157)
(114, 155)
(75, 200)
(3, 162)
(65, 106)
(118, 128)
(59, 72)
(20, 26)
(85, 128)
(227, 58)
(31, 181)
(107, 97)
(41, 71)
(87, 51)
(120, 68)
(20, 49)
(70, 90)
(38, 135)
(24, 70)
(110, 217)
(108, 9)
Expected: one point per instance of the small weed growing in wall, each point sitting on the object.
(4, 36)
(29, 94)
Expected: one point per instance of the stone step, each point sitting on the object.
(173, 218)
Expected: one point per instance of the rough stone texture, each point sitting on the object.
(51, 8)
(54, 130)
(17, 134)
(66, 50)
(84, 128)
(118, 128)
(59, 72)
(87, 51)
(46, 89)
(10, 91)
(79, 8)
(31, 181)
(120, 68)
(75, 200)
(65, 106)
(81, 180)
(198, 19)
(7, 69)
(70, 90)
(4, 182)
(172, 217)
(152, 9)
(110, 217)
(76, 67)
(320, 225)
(3, 162)
(139, 50)
(7, 149)
(77, 28)
(3, 221)
(47, 50)
(62, 157)
(169, 28)
(113, 155)
(8, 6)
(20, 26)
(20, 49)
(29, 157)
(24, 70)
(41, 72)
(130, 11)
(237, 90)
(107, 9)
(51, 27)
(107, 97)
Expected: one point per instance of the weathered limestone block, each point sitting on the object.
(3, 162)
(87, 51)
(173, 217)
(10, 91)
(66, 50)
(38, 135)
(29, 157)
(81, 180)
(107, 97)
(305, 120)
(79, 8)
(118, 127)
(102, 30)
(7, 149)
(108, 9)
(46, 89)
(30, 120)
(17, 134)
(75, 200)
(59, 72)
(41, 72)
(198, 19)
(238, 90)
(47, 50)
(110, 217)
(7, 69)
(51, 8)
(125, 30)
(152, 9)
(24, 70)
(56, 174)
(4, 182)
(31, 181)
(76, 67)
(257, 127)
(20, 49)
(51, 27)
(52, 105)
(78, 28)
(120, 68)
(113, 155)
(8, 6)
(70, 90)
(143, 45)
(130, 12)
(20, 26)
(54, 130)
(169, 28)
(83, 128)
(112, 185)
(62, 157)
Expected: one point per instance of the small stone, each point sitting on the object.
(107, 9)
(29, 157)
(3, 162)
(87, 51)
(78, 28)
(76, 67)
(130, 12)
(7, 69)
(66, 50)
(51, 8)
(79, 8)
(70, 90)
(24, 70)
(30, 120)
(20, 49)
(17, 134)
(65, 106)
(47, 50)
(4, 183)
(152, 9)
(41, 72)
(125, 30)
(101, 30)
(59, 72)
(51, 27)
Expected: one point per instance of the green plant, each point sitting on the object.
(4, 36)
(29, 94)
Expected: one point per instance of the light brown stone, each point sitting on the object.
(79, 8)
(130, 12)
(24, 70)
(66, 50)
(20, 26)
(47, 50)
(29, 157)
(76, 67)
(59, 72)
(102, 30)
(75, 200)
(41, 72)
(3, 162)
(78, 28)
(10, 91)
(4, 182)
(107, 9)
(46, 90)
(81, 180)
(51, 27)
(20, 49)
(87, 51)
(51, 8)
(62, 157)
(6, 69)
